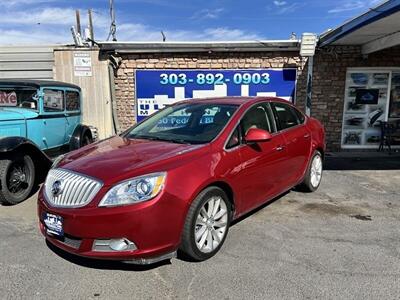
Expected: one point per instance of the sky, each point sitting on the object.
(49, 21)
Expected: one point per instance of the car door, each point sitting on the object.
(261, 171)
(297, 139)
(53, 117)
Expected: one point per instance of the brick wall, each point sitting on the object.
(125, 84)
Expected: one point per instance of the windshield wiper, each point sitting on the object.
(156, 138)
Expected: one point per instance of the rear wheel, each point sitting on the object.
(17, 178)
(85, 140)
(207, 224)
(313, 176)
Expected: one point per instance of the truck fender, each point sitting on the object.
(76, 138)
(15, 144)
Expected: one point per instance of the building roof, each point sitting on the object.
(374, 30)
(37, 83)
(173, 47)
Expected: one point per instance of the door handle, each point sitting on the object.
(307, 135)
(279, 148)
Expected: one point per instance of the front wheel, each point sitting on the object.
(313, 177)
(207, 224)
(17, 178)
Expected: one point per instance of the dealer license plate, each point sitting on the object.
(53, 224)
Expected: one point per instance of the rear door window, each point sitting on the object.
(72, 101)
(285, 115)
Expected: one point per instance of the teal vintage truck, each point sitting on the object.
(39, 120)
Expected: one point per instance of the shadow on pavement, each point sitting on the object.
(103, 264)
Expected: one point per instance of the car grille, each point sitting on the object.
(64, 188)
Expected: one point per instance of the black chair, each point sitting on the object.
(389, 130)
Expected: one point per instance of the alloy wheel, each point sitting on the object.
(211, 224)
(316, 171)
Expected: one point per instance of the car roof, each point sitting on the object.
(237, 100)
(36, 83)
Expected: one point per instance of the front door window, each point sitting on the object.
(54, 120)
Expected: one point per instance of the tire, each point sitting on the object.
(86, 139)
(313, 177)
(16, 168)
(215, 229)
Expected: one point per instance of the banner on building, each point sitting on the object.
(158, 88)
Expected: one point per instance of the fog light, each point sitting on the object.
(122, 244)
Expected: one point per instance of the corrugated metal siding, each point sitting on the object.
(26, 62)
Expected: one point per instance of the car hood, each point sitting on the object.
(16, 113)
(119, 158)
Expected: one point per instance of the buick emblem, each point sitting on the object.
(56, 189)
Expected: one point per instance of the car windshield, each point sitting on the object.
(18, 97)
(185, 123)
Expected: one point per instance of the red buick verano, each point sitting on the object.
(179, 178)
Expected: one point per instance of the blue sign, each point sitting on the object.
(157, 88)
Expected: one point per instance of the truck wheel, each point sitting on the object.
(17, 177)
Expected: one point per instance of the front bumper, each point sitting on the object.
(154, 227)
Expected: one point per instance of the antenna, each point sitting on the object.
(164, 38)
(113, 26)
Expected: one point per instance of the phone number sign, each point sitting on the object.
(158, 88)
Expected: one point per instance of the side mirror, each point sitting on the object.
(255, 135)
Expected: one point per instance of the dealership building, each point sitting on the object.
(355, 75)
(351, 83)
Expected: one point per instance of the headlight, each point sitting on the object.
(56, 161)
(135, 190)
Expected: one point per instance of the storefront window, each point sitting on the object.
(365, 106)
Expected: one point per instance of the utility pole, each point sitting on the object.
(113, 26)
(78, 22)
(91, 31)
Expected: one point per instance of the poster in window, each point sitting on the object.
(394, 107)
(367, 96)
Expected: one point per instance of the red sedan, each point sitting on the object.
(179, 178)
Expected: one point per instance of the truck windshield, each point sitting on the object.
(18, 97)
(185, 123)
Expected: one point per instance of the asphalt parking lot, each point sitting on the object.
(342, 241)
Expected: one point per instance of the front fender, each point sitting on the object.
(9, 145)
(79, 132)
